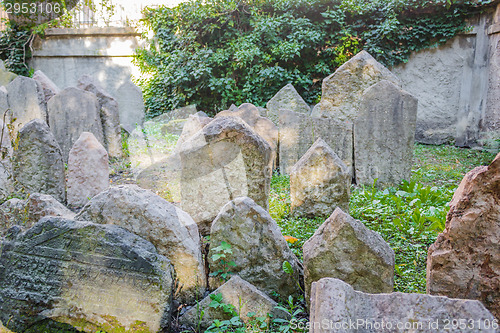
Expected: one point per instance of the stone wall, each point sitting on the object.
(458, 86)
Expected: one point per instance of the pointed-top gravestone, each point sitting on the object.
(287, 98)
(38, 164)
(49, 88)
(319, 182)
(343, 89)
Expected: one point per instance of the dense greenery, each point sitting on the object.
(216, 52)
(14, 49)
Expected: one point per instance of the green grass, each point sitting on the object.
(409, 216)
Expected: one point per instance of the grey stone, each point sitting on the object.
(109, 113)
(26, 102)
(6, 77)
(174, 127)
(170, 229)
(4, 104)
(384, 134)
(163, 178)
(243, 296)
(225, 160)
(6, 151)
(49, 88)
(193, 125)
(345, 249)
(289, 99)
(180, 113)
(232, 108)
(88, 170)
(130, 105)
(38, 163)
(342, 90)
(72, 112)
(319, 182)
(342, 309)
(93, 277)
(257, 247)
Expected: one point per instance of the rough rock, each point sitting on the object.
(88, 170)
(131, 106)
(87, 275)
(342, 90)
(49, 88)
(384, 135)
(171, 230)
(193, 125)
(319, 182)
(72, 112)
(26, 102)
(342, 309)
(6, 77)
(243, 296)
(464, 262)
(109, 113)
(298, 132)
(225, 160)
(38, 163)
(345, 249)
(173, 127)
(6, 151)
(257, 247)
(4, 103)
(163, 178)
(289, 99)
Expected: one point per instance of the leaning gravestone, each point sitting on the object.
(88, 170)
(289, 99)
(26, 102)
(172, 231)
(38, 163)
(49, 88)
(72, 112)
(319, 182)
(109, 115)
(6, 186)
(93, 277)
(384, 135)
(257, 247)
(345, 249)
(340, 308)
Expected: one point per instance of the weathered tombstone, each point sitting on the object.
(257, 247)
(93, 277)
(225, 160)
(49, 88)
(319, 182)
(384, 135)
(88, 170)
(289, 99)
(173, 127)
(464, 261)
(72, 112)
(38, 163)
(26, 102)
(193, 125)
(109, 114)
(4, 104)
(131, 105)
(6, 186)
(345, 249)
(6, 77)
(243, 296)
(172, 231)
(337, 307)
(342, 90)
(180, 113)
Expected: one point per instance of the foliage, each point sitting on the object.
(222, 252)
(297, 315)
(217, 52)
(14, 49)
(233, 324)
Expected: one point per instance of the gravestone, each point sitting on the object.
(319, 182)
(38, 163)
(193, 125)
(6, 151)
(109, 114)
(93, 277)
(384, 135)
(257, 247)
(173, 127)
(72, 112)
(4, 104)
(88, 170)
(131, 106)
(6, 77)
(289, 99)
(49, 88)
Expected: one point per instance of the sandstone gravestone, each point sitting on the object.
(342, 90)
(464, 261)
(6, 77)
(131, 105)
(72, 112)
(319, 182)
(38, 163)
(345, 249)
(384, 135)
(287, 98)
(257, 247)
(87, 275)
(243, 296)
(342, 309)
(6, 151)
(49, 88)
(172, 231)
(88, 170)
(109, 114)
(26, 102)
(225, 160)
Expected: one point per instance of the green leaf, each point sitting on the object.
(287, 268)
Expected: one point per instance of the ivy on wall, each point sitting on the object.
(217, 52)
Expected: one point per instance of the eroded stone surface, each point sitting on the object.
(6, 77)
(49, 88)
(289, 99)
(6, 151)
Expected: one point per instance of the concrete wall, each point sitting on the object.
(64, 55)
(458, 86)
